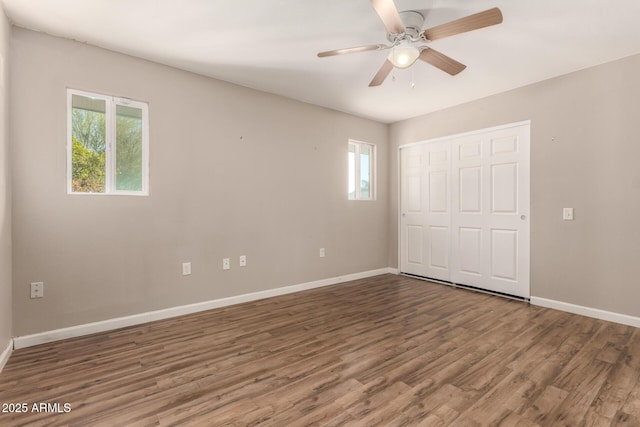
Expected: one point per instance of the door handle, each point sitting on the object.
(523, 217)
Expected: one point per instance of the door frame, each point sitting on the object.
(451, 137)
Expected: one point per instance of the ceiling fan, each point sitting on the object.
(404, 29)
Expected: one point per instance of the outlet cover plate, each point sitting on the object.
(37, 289)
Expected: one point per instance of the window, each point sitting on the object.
(361, 171)
(108, 149)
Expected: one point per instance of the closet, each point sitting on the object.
(464, 209)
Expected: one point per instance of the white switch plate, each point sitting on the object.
(37, 289)
(226, 264)
(186, 268)
(567, 214)
(322, 253)
(243, 261)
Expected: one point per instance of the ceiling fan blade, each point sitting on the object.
(388, 12)
(462, 25)
(352, 50)
(382, 74)
(441, 61)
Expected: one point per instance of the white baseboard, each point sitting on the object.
(137, 319)
(4, 356)
(587, 311)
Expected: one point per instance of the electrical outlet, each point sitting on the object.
(37, 289)
(243, 261)
(322, 253)
(226, 263)
(186, 268)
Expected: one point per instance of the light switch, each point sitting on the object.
(186, 268)
(567, 214)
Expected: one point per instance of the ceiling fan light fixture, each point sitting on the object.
(404, 54)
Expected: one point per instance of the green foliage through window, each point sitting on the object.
(88, 145)
(88, 172)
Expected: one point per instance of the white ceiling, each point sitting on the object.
(271, 45)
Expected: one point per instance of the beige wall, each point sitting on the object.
(585, 151)
(5, 190)
(277, 195)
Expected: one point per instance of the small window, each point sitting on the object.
(107, 145)
(361, 171)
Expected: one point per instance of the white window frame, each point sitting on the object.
(110, 134)
(372, 170)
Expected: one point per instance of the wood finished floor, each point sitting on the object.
(389, 351)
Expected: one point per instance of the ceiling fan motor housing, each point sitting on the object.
(412, 22)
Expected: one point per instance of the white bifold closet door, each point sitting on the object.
(464, 209)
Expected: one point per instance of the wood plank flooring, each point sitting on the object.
(388, 351)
